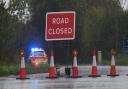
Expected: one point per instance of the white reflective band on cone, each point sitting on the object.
(75, 61)
(94, 61)
(22, 62)
(52, 61)
(112, 60)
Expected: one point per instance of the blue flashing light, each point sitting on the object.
(32, 49)
(36, 49)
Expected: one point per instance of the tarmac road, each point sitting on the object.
(38, 81)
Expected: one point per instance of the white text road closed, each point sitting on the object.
(60, 26)
(60, 20)
(60, 31)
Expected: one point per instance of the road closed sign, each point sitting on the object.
(60, 26)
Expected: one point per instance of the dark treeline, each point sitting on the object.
(100, 24)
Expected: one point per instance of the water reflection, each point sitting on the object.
(104, 82)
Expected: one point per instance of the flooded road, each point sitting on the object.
(39, 81)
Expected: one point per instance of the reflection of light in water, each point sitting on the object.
(22, 84)
(35, 84)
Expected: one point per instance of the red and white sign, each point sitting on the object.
(60, 26)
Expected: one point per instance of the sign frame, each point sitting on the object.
(56, 39)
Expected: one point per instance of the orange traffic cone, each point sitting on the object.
(75, 67)
(94, 71)
(22, 72)
(52, 70)
(113, 66)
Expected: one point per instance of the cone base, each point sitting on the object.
(94, 76)
(52, 77)
(22, 78)
(113, 75)
(75, 76)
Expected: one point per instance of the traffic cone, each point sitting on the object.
(22, 72)
(113, 66)
(94, 71)
(75, 68)
(52, 69)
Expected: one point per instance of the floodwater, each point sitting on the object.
(39, 81)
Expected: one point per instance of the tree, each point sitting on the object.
(101, 23)
(10, 35)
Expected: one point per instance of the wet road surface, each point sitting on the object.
(38, 81)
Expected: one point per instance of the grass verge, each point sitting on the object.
(6, 70)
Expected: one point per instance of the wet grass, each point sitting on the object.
(6, 70)
(120, 59)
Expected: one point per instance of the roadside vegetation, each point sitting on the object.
(6, 70)
(120, 59)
